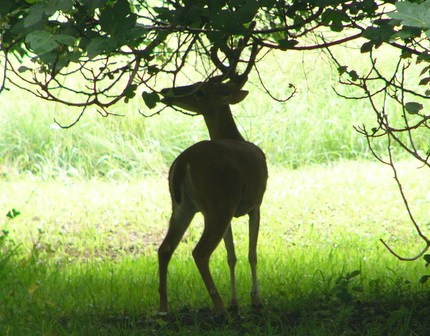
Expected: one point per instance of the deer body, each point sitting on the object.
(223, 178)
(197, 178)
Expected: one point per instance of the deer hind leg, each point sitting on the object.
(231, 257)
(179, 222)
(254, 225)
(214, 231)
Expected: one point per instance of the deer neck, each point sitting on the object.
(221, 125)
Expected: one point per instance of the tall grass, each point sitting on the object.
(315, 126)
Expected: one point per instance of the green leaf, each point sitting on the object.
(13, 214)
(427, 259)
(101, 45)
(65, 39)
(35, 14)
(367, 47)
(150, 98)
(130, 92)
(60, 5)
(23, 68)
(41, 41)
(413, 14)
(353, 274)
(344, 296)
(43, 9)
(423, 57)
(153, 70)
(118, 19)
(413, 107)
(354, 75)
(286, 44)
(424, 81)
(247, 11)
(334, 19)
(379, 34)
(424, 279)
(424, 70)
(405, 54)
(407, 32)
(341, 70)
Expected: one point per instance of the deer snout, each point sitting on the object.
(167, 96)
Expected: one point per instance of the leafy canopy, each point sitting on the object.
(132, 42)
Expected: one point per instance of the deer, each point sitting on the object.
(222, 178)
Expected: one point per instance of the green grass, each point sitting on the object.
(86, 263)
(80, 259)
(314, 127)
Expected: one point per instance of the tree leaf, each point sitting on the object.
(65, 39)
(130, 92)
(35, 14)
(423, 57)
(413, 14)
(427, 259)
(405, 54)
(61, 5)
(150, 98)
(23, 68)
(101, 45)
(41, 41)
(247, 11)
(341, 70)
(41, 10)
(367, 47)
(334, 19)
(379, 34)
(354, 75)
(117, 19)
(424, 81)
(424, 70)
(285, 44)
(413, 107)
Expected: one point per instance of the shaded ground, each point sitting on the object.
(321, 316)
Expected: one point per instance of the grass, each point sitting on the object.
(80, 259)
(304, 130)
(317, 226)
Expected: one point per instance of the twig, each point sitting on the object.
(408, 209)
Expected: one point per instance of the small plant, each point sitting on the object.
(7, 251)
(342, 290)
(11, 214)
(426, 277)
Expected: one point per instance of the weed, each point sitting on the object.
(8, 250)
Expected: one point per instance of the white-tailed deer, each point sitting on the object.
(223, 178)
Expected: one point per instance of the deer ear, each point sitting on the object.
(237, 96)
